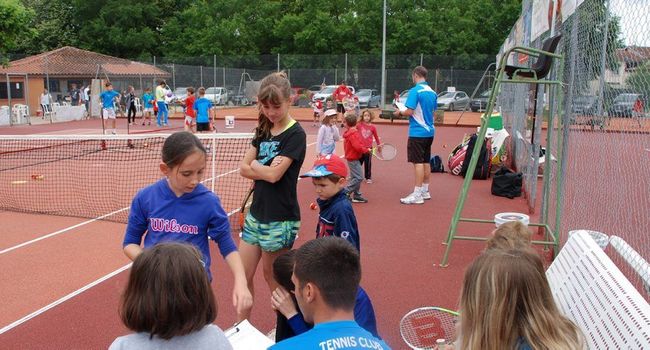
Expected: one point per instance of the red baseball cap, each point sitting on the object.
(328, 165)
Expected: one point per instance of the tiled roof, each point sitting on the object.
(74, 62)
(633, 54)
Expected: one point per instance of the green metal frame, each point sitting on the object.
(551, 236)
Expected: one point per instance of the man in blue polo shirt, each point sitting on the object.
(326, 276)
(420, 105)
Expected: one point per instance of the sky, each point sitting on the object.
(635, 20)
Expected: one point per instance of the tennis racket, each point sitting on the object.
(349, 104)
(245, 207)
(422, 327)
(384, 151)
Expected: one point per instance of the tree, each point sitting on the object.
(639, 79)
(14, 24)
(54, 26)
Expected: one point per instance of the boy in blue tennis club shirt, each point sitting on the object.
(336, 215)
(326, 276)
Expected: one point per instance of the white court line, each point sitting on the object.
(65, 298)
(90, 285)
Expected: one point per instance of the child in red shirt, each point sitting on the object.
(190, 113)
(368, 132)
(354, 148)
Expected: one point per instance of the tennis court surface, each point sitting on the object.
(64, 270)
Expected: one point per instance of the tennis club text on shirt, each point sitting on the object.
(164, 225)
(348, 342)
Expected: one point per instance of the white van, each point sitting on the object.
(218, 95)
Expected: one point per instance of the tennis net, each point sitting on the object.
(96, 176)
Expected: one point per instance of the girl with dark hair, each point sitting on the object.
(179, 208)
(180, 318)
(273, 161)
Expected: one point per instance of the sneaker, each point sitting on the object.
(413, 198)
(425, 195)
(143, 124)
(358, 199)
(114, 132)
(369, 181)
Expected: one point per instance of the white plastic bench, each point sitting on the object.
(591, 290)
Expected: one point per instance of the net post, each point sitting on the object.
(214, 157)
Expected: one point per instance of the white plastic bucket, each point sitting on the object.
(230, 121)
(502, 218)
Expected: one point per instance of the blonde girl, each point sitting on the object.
(328, 134)
(506, 303)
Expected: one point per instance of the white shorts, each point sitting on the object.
(189, 121)
(148, 110)
(108, 113)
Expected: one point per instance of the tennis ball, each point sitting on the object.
(313, 206)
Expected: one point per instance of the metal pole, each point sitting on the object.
(345, 72)
(153, 80)
(278, 61)
(383, 60)
(174, 76)
(214, 70)
(201, 75)
(26, 92)
(224, 76)
(47, 83)
(603, 62)
(421, 58)
(11, 111)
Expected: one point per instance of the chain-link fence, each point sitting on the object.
(604, 145)
(359, 71)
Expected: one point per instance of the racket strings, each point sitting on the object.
(421, 329)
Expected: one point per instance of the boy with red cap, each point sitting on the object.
(336, 216)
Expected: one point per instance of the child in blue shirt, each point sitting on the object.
(147, 100)
(203, 107)
(108, 110)
(290, 321)
(336, 215)
(179, 208)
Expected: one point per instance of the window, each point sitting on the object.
(54, 85)
(17, 90)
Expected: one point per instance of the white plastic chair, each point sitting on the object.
(634, 259)
(591, 291)
(138, 106)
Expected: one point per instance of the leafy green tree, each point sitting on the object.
(639, 79)
(14, 24)
(54, 26)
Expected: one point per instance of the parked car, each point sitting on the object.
(626, 104)
(452, 100)
(314, 88)
(218, 95)
(585, 105)
(368, 98)
(480, 102)
(327, 92)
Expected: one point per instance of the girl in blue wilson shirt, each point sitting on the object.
(179, 208)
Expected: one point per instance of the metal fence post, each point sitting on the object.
(214, 70)
(603, 62)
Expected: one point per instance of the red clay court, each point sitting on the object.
(62, 276)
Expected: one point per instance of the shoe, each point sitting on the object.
(143, 124)
(148, 124)
(114, 132)
(413, 198)
(359, 199)
(369, 181)
(425, 195)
